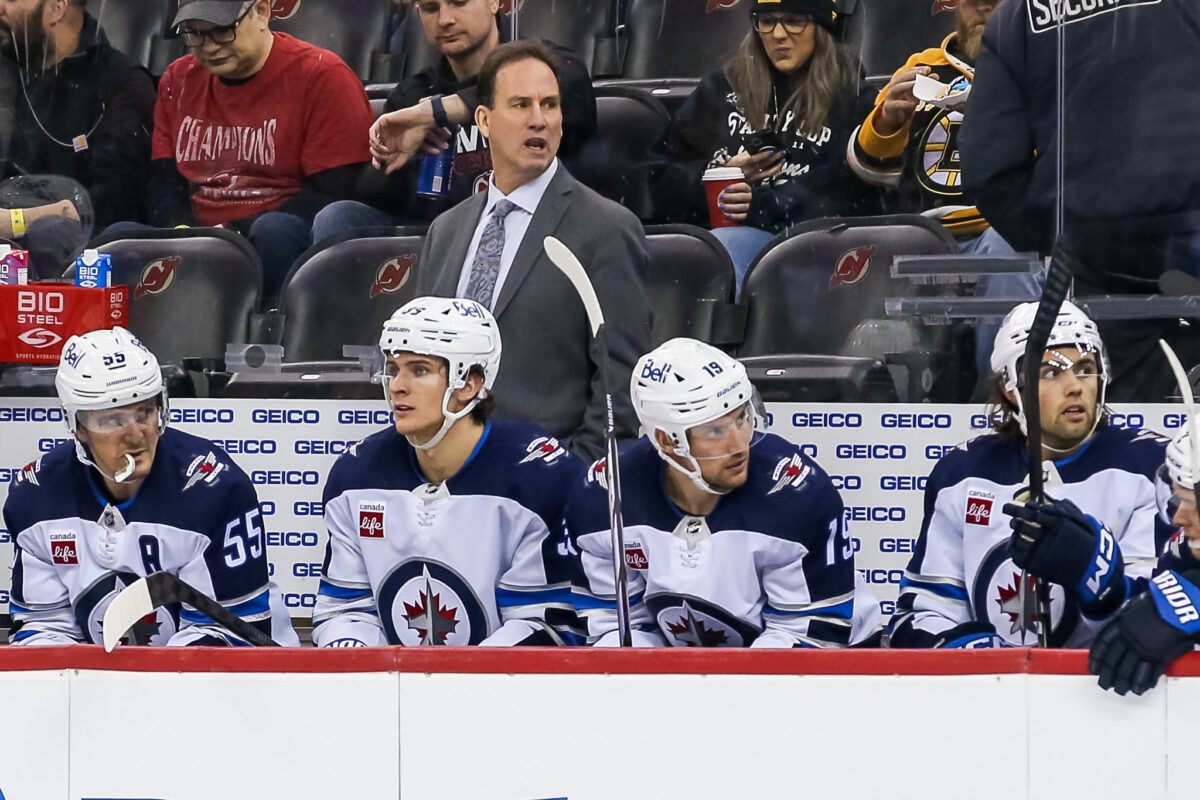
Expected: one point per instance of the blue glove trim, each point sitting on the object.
(1099, 572)
(975, 641)
(1177, 599)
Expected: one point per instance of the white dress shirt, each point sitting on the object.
(526, 199)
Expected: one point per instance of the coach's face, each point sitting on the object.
(524, 129)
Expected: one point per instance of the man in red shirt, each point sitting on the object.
(254, 131)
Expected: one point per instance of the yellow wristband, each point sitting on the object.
(17, 218)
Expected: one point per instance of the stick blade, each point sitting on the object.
(569, 265)
(128, 607)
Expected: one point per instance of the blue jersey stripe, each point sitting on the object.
(508, 597)
(941, 589)
(340, 592)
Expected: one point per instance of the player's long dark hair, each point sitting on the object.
(829, 72)
(483, 409)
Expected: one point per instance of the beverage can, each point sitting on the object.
(434, 177)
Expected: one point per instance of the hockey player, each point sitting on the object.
(1162, 623)
(446, 529)
(126, 498)
(970, 580)
(738, 540)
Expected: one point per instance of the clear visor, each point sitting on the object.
(426, 371)
(1171, 498)
(731, 433)
(115, 420)
(1057, 364)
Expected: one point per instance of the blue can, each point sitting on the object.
(434, 178)
(93, 270)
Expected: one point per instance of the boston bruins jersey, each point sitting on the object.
(771, 566)
(478, 559)
(962, 569)
(196, 516)
(921, 161)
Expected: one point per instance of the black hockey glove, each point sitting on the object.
(1133, 650)
(969, 636)
(1056, 541)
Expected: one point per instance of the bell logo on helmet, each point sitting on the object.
(852, 266)
(158, 276)
(657, 374)
(392, 275)
(40, 338)
(284, 9)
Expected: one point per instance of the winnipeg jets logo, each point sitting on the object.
(852, 266)
(692, 629)
(1017, 602)
(598, 473)
(203, 468)
(158, 276)
(143, 631)
(29, 472)
(789, 472)
(432, 620)
(40, 338)
(545, 448)
(392, 275)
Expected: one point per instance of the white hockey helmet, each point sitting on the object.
(1072, 328)
(461, 331)
(1178, 470)
(106, 369)
(684, 383)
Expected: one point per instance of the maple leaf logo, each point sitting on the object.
(1022, 615)
(432, 621)
(692, 632)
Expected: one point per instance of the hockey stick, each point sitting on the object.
(1185, 394)
(569, 265)
(1058, 283)
(161, 589)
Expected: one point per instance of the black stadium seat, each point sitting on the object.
(191, 291)
(884, 33)
(354, 29)
(691, 283)
(574, 24)
(341, 291)
(135, 27)
(629, 121)
(682, 38)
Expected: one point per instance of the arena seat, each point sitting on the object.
(884, 33)
(691, 283)
(819, 288)
(342, 289)
(629, 121)
(191, 291)
(354, 29)
(574, 24)
(681, 38)
(134, 26)
(418, 53)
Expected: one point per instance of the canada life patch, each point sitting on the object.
(979, 507)
(635, 556)
(370, 520)
(63, 549)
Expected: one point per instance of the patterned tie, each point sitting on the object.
(486, 266)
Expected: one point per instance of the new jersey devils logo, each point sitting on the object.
(942, 5)
(158, 276)
(482, 181)
(392, 275)
(509, 6)
(852, 266)
(284, 9)
(716, 5)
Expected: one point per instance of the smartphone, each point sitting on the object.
(761, 140)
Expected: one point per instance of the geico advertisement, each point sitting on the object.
(878, 456)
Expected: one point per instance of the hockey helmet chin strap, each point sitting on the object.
(694, 473)
(1019, 415)
(448, 419)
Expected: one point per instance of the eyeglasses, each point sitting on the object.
(765, 23)
(221, 34)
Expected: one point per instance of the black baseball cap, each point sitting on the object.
(218, 12)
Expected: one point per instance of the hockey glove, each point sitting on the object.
(970, 636)
(1057, 542)
(1133, 650)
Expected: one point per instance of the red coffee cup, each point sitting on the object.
(717, 180)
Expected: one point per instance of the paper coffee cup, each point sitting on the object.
(716, 180)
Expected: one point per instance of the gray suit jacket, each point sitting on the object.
(548, 369)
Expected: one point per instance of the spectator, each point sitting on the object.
(254, 131)
(489, 248)
(792, 81)
(910, 147)
(81, 110)
(1130, 197)
(465, 32)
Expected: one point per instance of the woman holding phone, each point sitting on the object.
(781, 110)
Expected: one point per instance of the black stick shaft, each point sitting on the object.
(166, 588)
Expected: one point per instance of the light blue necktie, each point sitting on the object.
(486, 266)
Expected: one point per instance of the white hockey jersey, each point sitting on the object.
(771, 566)
(962, 570)
(479, 559)
(195, 516)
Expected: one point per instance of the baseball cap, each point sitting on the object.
(823, 12)
(218, 12)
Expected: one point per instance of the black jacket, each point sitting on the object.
(99, 93)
